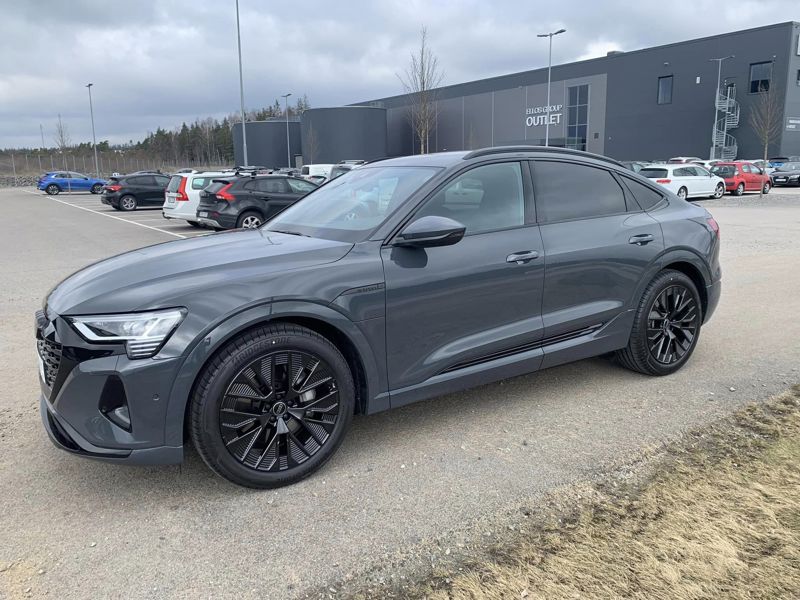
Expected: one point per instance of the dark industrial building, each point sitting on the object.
(645, 104)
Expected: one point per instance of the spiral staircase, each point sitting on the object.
(723, 144)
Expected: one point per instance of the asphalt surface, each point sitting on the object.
(71, 528)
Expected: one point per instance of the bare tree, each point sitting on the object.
(766, 119)
(420, 80)
(63, 140)
(312, 144)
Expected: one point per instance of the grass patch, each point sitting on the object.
(718, 518)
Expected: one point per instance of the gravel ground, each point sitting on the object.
(428, 472)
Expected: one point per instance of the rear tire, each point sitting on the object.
(739, 190)
(97, 188)
(127, 203)
(52, 189)
(765, 190)
(249, 220)
(666, 326)
(250, 420)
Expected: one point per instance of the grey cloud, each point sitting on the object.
(156, 63)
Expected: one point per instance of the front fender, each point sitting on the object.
(214, 339)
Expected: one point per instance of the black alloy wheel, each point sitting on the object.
(672, 324)
(666, 326)
(272, 406)
(280, 410)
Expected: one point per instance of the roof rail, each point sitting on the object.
(552, 149)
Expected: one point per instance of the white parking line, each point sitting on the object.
(104, 214)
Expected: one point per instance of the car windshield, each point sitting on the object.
(653, 173)
(792, 166)
(724, 171)
(350, 206)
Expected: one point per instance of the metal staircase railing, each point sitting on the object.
(724, 145)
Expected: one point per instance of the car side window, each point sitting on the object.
(300, 187)
(198, 183)
(683, 172)
(483, 199)
(700, 171)
(161, 180)
(645, 196)
(272, 185)
(566, 191)
(745, 168)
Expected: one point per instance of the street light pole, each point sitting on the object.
(94, 139)
(241, 85)
(716, 108)
(288, 151)
(549, 67)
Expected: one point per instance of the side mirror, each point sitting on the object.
(430, 232)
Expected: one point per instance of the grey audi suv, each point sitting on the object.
(399, 281)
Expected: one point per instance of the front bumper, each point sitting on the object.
(785, 182)
(80, 381)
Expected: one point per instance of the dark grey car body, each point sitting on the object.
(413, 323)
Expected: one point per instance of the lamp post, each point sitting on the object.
(94, 138)
(549, 66)
(288, 150)
(716, 108)
(241, 85)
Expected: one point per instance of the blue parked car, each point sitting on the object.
(68, 181)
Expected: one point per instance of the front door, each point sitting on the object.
(457, 307)
(598, 243)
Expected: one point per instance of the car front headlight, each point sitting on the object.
(143, 333)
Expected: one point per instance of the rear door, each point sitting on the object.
(273, 195)
(684, 177)
(752, 179)
(598, 244)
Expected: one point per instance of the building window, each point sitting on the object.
(759, 77)
(665, 90)
(577, 116)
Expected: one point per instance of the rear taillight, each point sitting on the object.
(224, 195)
(663, 180)
(714, 225)
(113, 188)
(182, 197)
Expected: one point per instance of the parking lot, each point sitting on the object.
(416, 484)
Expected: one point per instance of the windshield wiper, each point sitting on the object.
(289, 232)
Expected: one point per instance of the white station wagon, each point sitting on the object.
(686, 180)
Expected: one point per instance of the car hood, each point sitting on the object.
(164, 275)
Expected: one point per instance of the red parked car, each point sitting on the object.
(741, 177)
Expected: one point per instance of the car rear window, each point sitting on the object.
(653, 173)
(174, 183)
(724, 171)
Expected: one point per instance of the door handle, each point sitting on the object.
(641, 239)
(522, 257)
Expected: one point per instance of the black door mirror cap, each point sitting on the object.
(431, 231)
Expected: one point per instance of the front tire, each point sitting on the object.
(52, 189)
(272, 406)
(127, 203)
(666, 326)
(739, 190)
(683, 193)
(719, 191)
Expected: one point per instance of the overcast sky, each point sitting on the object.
(160, 62)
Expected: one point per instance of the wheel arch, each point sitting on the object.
(332, 325)
(695, 274)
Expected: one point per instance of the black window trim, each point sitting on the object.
(671, 76)
(750, 78)
(622, 188)
(529, 216)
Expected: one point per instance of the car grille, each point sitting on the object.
(50, 353)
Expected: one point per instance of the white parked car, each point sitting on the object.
(318, 170)
(686, 180)
(183, 195)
